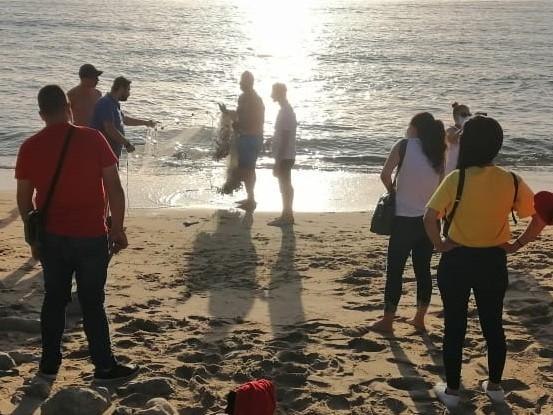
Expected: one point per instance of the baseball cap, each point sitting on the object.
(543, 203)
(89, 71)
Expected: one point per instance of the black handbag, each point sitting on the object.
(34, 225)
(385, 210)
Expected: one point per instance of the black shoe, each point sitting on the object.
(119, 372)
(48, 373)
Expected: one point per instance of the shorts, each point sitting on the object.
(283, 170)
(249, 147)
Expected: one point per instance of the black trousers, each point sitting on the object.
(484, 271)
(88, 259)
(408, 238)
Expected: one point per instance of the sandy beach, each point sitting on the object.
(204, 302)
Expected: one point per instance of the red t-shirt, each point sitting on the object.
(78, 202)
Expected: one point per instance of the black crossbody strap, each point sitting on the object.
(402, 151)
(46, 205)
(515, 181)
(460, 187)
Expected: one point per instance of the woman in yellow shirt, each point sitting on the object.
(474, 252)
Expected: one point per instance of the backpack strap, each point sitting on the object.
(460, 186)
(402, 151)
(515, 181)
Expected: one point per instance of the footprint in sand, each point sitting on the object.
(194, 357)
(294, 337)
(395, 406)
(434, 369)
(534, 310)
(362, 307)
(298, 357)
(518, 345)
(546, 353)
(292, 380)
(409, 383)
(360, 277)
(514, 385)
(338, 403)
(185, 372)
(140, 324)
(365, 345)
(301, 404)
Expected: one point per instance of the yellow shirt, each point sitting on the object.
(482, 216)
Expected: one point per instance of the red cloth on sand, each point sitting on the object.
(255, 398)
(543, 203)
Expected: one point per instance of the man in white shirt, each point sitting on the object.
(284, 153)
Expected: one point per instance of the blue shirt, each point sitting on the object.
(108, 109)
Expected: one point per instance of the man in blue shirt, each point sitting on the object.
(110, 120)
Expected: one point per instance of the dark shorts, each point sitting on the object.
(249, 147)
(283, 169)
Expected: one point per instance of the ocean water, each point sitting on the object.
(357, 71)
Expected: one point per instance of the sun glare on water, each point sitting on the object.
(281, 35)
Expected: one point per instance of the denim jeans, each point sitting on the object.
(408, 238)
(483, 271)
(87, 258)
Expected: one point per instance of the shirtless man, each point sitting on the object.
(251, 117)
(84, 96)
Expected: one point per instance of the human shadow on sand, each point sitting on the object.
(11, 217)
(223, 267)
(285, 287)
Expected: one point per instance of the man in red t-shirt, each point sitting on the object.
(75, 238)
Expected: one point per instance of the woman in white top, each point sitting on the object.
(461, 113)
(417, 179)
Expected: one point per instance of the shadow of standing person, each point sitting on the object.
(285, 305)
(223, 268)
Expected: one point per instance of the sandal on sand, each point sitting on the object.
(450, 401)
(496, 396)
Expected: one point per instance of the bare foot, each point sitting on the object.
(383, 326)
(418, 325)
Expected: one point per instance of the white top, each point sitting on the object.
(416, 182)
(451, 157)
(286, 121)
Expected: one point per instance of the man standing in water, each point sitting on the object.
(110, 120)
(284, 152)
(84, 96)
(74, 239)
(251, 117)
